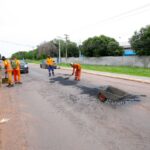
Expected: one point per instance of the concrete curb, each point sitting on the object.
(112, 75)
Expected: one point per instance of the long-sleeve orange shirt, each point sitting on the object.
(76, 67)
(7, 65)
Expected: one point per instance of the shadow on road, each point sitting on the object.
(63, 81)
(84, 87)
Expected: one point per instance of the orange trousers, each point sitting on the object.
(17, 76)
(78, 75)
(0, 78)
(9, 73)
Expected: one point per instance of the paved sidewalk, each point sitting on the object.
(115, 75)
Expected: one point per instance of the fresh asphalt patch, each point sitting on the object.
(87, 89)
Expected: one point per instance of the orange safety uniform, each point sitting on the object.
(77, 71)
(16, 71)
(50, 66)
(49, 61)
(8, 68)
(0, 73)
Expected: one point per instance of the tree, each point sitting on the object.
(140, 41)
(72, 49)
(20, 55)
(114, 49)
(47, 48)
(26, 55)
(32, 54)
(62, 46)
(101, 46)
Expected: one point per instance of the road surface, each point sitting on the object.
(57, 114)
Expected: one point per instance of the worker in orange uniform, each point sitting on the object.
(76, 71)
(8, 69)
(0, 71)
(50, 65)
(16, 70)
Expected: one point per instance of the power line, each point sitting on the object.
(129, 13)
(126, 13)
(133, 14)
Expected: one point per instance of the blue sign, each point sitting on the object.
(129, 52)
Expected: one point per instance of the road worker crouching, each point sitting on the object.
(8, 70)
(76, 70)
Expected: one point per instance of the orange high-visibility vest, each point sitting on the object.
(17, 64)
(49, 61)
(7, 65)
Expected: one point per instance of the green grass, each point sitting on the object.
(137, 71)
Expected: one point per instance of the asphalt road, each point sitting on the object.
(57, 114)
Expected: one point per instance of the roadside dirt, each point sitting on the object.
(11, 132)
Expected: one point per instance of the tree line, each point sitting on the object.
(50, 48)
(92, 47)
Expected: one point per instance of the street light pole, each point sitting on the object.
(79, 46)
(66, 37)
(59, 52)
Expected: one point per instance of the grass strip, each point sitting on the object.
(137, 71)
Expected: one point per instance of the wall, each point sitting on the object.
(139, 61)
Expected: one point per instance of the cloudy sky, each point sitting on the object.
(26, 23)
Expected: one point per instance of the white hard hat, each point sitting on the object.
(71, 63)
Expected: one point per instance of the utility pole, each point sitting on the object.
(66, 37)
(79, 46)
(59, 52)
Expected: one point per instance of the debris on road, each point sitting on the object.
(4, 120)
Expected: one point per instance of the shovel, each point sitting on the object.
(66, 78)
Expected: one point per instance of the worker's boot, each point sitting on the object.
(10, 85)
(19, 82)
(78, 78)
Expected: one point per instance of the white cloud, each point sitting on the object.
(30, 21)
